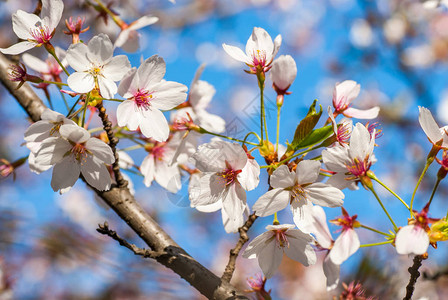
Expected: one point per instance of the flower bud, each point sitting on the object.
(283, 73)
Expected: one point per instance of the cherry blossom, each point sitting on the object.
(269, 247)
(433, 132)
(347, 242)
(283, 73)
(351, 163)
(260, 50)
(157, 166)
(413, 238)
(298, 188)
(343, 94)
(75, 153)
(129, 38)
(223, 177)
(96, 67)
(343, 130)
(35, 31)
(147, 95)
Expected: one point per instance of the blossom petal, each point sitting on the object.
(299, 247)
(125, 112)
(18, 48)
(23, 23)
(324, 195)
(117, 68)
(368, 114)
(249, 176)
(151, 71)
(148, 169)
(37, 132)
(336, 158)
(108, 88)
(260, 40)
(344, 93)
(319, 227)
(81, 82)
(100, 49)
(331, 271)
(169, 94)
(257, 244)
(231, 224)
(210, 122)
(100, 150)
(77, 57)
(234, 201)
(429, 125)
(155, 125)
(210, 207)
(282, 177)
(74, 133)
(168, 176)
(283, 72)
(307, 171)
(65, 174)
(207, 190)
(35, 63)
(345, 245)
(271, 202)
(96, 173)
(361, 144)
(52, 151)
(236, 53)
(411, 239)
(125, 84)
(269, 258)
(53, 10)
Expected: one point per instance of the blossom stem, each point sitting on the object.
(275, 222)
(260, 77)
(51, 50)
(375, 230)
(114, 17)
(376, 244)
(202, 130)
(75, 113)
(247, 135)
(434, 190)
(84, 110)
(294, 156)
(54, 82)
(428, 163)
(384, 208)
(279, 107)
(116, 100)
(372, 176)
(135, 147)
(95, 129)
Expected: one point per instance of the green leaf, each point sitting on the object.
(306, 126)
(316, 136)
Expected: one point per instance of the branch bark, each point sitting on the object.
(415, 274)
(127, 208)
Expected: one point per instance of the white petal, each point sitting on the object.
(257, 244)
(151, 71)
(126, 111)
(302, 213)
(52, 151)
(324, 195)
(143, 22)
(361, 142)
(81, 82)
(210, 207)
(23, 23)
(18, 48)
(210, 122)
(299, 247)
(96, 173)
(283, 72)
(336, 158)
(340, 181)
(411, 239)
(169, 94)
(345, 245)
(331, 271)
(38, 131)
(34, 167)
(260, 40)
(207, 190)
(319, 227)
(368, 114)
(282, 177)
(100, 49)
(53, 10)
(429, 125)
(234, 201)
(74, 133)
(271, 202)
(77, 57)
(126, 81)
(100, 150)
(168, 176)
(232, 224)
(345, 92)
(148, 169)
(307, 171)
(35, 63)
(108, 87)
(249, 176)
(269, 258)
(117, 68)
(154, 125)
(237, 53)
(125, 161)
(201, 93)
(277, 44)
(65, 174)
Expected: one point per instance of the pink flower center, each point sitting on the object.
(80, 152)
(17, 72)
(229, 174)
(281, 238)
(298, 193)
(259, 58)
(143, 98)
(158, 152)
(340, 104)
(374, 126)
(359, 168)
(344, 132)
(41, 34)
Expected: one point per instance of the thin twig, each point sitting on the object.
(113, 141)
(435, 276)
(230, 268)
(104, 229)
(415, 274)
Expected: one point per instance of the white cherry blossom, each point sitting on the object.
(299, 189)
(260, 50)
(431, 129)
(34, 30)
(96, 67)
(75, 153)
(343, 94)
(129, 38)
(283, 73)
(269, 247)
(147, 95)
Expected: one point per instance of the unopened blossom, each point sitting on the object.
(299, 189)
(413, 238)
(147, 94)
(75, 152)
(96, 67)
(129, 38)
(347, 242)
(224, 177)
(6, 168)
(439, 231)
(41, 130)
(74, 28)
(343, 130)
(157, 166)
(351, 163)
(283, 73)
(257, 286)
(437, 136)
(35, 31)
(260, 50)
(18, 73)
(343, 94)
(269, 247)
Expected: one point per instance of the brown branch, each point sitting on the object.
(230, 268)
(415, 274)
(437, 275)
(128, 209)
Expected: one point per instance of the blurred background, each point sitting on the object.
(397, 50)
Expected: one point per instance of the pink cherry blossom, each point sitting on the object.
(347, 242)
(269, 247)
(413, 238)
(343, 94)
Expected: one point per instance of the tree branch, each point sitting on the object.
(230, 268)
(415, 274)
(128, 209)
